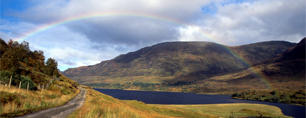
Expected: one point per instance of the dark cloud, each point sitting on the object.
(128, 31)
(68, 62)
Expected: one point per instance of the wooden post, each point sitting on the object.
(42, 88)
(10, 82)
(28, 87)
(19, 84)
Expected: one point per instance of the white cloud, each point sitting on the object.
(249, 22)
(89, 41)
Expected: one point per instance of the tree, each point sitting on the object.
(3, 47)
(243, 94)
(9, 61)
(51, 67)
(37, 59)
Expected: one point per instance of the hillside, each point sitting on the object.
(285, 72)
(177, 61)
(28, 84)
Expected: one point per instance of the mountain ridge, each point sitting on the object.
(169, 60)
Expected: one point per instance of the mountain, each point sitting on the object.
(289, 65)
(286, 71)
(177, 61)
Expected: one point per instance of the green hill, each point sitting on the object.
(173, 62)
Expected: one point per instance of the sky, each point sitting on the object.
(85, 32)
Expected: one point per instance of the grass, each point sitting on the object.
(98, 105)
(16, 102)
(234, 109)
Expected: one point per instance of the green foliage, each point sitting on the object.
(25, 80)
(65, 92)
(18, 61)
(297, 97)
(5, 76)
(51, 67)
(3, 47)
(9, 61)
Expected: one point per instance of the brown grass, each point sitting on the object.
(15, 101)
(98, 105)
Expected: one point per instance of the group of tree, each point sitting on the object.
(15, 57)
(294, 97)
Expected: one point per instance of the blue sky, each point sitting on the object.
(90, 41)
(9, 6)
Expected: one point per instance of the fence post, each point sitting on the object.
(10, 82)
(41, 88)
(28, 87)
(19, 84)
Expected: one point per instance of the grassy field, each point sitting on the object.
(234, 109)
(100, 105)
(15, 101)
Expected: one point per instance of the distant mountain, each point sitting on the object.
(177, 61)
(286, 71)
(289, 65)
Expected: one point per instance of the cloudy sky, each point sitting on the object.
(85, 32)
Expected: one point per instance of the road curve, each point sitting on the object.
(61, 111)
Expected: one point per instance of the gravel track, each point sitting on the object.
(61, 111)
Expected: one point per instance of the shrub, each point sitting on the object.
(236, 94)
(5, 76)
(274, 92)
(65, 92)
(24, 82)
(243, 94)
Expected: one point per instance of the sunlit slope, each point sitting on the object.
(177, 61)
(15, 101)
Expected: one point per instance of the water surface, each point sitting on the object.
(153, 97)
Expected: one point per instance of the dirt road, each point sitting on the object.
(61, 111)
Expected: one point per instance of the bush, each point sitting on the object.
(274, 92)
(65, 92)
(5, 76)
(243, 94)
(24, 82)
(236, 94)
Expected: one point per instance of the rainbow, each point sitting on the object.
(50, 25)
(258, 73)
